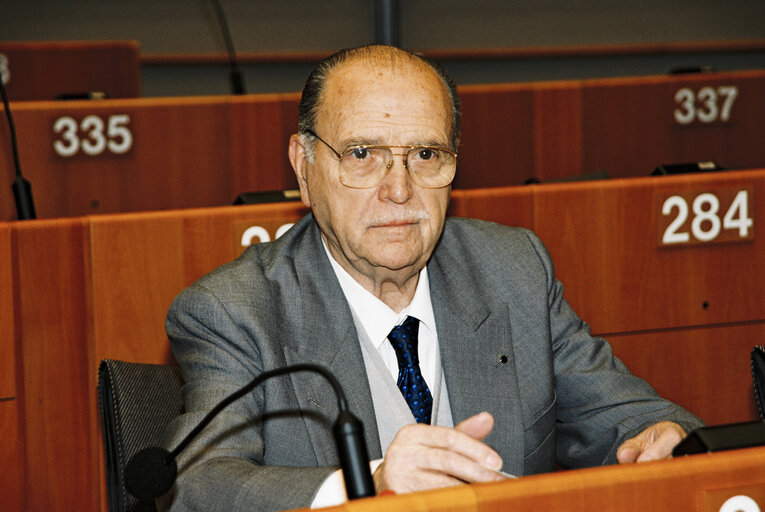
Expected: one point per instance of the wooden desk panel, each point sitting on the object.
(497, 145)
(625, 126)
(701, 482)
(7, 331)
(558, 133)
(90, 288)
(10, 446)
(56, 399)
(185, 152)
(11, 470)
(687, 483)
(706, 370)
(629, 126)
(142, 261)
(194, 152)
(604, 240)
(43, 70)
(512, 206)
(261, 128)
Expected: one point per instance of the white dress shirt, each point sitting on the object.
(377, 320)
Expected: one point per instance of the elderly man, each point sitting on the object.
(450, 336)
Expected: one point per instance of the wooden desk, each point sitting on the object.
(704, 483)
(88, 288)
(149, 154)
(46, 69)
(92, 157)
(624, 126)
(10, 445)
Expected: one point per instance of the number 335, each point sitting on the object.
(92, 136)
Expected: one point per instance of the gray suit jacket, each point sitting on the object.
(561, 398)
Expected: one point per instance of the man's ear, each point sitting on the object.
(299, 163)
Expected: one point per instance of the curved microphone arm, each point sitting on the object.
(151, 472)
(236, 395)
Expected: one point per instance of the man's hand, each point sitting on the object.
(428, 457)
(654, 443)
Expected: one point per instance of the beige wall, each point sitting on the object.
(189, 26)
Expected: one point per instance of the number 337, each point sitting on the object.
(706, 224)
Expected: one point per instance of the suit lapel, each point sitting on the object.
(473, 336)
(328, 338)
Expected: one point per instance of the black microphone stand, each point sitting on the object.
(22, 190)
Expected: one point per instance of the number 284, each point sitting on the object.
(706, 224)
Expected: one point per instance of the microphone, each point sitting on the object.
(151, 472)
(22, 190)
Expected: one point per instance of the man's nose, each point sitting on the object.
(397, 185)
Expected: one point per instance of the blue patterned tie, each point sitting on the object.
(410, 380)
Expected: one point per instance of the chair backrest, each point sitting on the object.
(137, 401)
(758, 376)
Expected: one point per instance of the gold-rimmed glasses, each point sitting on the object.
(366, 165)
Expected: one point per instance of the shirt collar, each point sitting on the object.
(376, 317)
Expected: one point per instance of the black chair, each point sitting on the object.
(758, 376)
(137, 401)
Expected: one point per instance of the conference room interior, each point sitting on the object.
(152, 137)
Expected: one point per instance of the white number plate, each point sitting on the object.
(92, 135)
(724, 215)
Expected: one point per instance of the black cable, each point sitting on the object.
(12, 127)
(237, 82)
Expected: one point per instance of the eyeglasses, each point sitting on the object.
(365, 166)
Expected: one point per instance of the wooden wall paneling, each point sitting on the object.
(511, 206)
(497, 136)
(604, 239)
(42, 70)
(706, 370)
(52, 297)
(558, 130)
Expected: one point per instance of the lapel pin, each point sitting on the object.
(502, 359)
